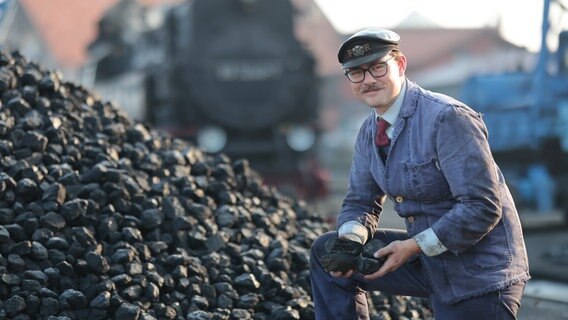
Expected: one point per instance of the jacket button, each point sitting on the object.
(410, 219)
(399, 199)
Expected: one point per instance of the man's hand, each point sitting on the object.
(396, 254)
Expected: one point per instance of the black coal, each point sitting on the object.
(105, 218)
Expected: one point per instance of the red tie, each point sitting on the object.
(382, 140)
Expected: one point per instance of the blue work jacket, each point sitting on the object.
(440, 174)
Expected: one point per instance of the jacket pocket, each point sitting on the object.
(492, 253)
(425, 181)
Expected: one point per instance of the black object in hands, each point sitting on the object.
(343, 255)
(367, 263)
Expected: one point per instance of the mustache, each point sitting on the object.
(370, 87)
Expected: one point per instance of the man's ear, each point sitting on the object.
(401, 61)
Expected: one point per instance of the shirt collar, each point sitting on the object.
(392, 113)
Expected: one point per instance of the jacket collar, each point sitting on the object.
(409, 103)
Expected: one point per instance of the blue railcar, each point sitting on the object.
(527, 117)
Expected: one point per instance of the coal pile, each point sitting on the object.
(105, 218)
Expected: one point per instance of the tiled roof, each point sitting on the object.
(68, 26)
(316, 32)
(430, 46)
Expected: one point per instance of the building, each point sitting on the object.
(55, 33)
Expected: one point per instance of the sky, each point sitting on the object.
(521, 20)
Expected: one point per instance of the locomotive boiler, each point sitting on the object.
(230, 76)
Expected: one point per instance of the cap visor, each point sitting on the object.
(365, 59)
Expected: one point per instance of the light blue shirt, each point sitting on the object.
(391, 114)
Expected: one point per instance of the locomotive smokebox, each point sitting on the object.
(245, 69)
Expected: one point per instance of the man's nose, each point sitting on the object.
(368, 77)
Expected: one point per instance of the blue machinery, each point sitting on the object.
(527, 117)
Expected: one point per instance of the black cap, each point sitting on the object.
(367, 45)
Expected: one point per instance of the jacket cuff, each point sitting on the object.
(429, 243)
(353, 230)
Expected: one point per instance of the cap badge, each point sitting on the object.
(359, 50)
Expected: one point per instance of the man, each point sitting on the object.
(463, 247)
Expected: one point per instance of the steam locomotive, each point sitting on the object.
(228, 75)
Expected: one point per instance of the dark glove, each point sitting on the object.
(341, 254)
(367, 263)
(344, 255)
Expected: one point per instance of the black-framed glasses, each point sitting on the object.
(377, 70)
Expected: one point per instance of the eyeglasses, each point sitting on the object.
(377, 70)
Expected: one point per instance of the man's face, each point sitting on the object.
(380, 92)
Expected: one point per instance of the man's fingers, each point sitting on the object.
(384, 251)
(338, 274)
(335, 274)
(384, 269)
(391, 262)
